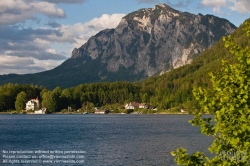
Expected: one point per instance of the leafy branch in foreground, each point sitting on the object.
(229, 101)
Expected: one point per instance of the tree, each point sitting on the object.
(65, 98)
(229, 100)
(48, 101)
(2, 102)
(56, 93)
(21, 99)
(88, 107)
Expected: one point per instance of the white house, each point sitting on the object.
(32, 104)
(97, 111)
(183, 110)
(133, 105)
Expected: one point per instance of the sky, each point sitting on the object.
(38, 35)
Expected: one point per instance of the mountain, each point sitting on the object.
(146, 42)
(175, 87)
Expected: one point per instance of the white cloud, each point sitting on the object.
(13, 64)
(79, 33)
(241, 6)
(51, 50)
(15, 11)
(46, 64)
(94, 26)
(41, 41)
(214, 4)
(13, 60)
(23, 65)
(48, 9)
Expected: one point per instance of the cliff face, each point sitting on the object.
(153, 40)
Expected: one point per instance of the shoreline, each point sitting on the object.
(160, 113)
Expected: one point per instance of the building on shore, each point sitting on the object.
(133, 105)
(33, 104)
(98, 111)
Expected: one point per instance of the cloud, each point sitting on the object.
(214, 4)
(16, 11)
(242, 6)
(79, 33)
(41, 55)
(10, 64)
(24, 65)
(180, 3)
(53, 24)
(28, 43)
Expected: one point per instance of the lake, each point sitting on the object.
(97, 140)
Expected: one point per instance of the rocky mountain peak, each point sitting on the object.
(164, 8)
(150, 15)
(149, 41)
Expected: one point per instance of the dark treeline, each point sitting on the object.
(9, 92)
(58, 99)
(12, 96)
(100, 94)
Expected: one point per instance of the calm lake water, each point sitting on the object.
(103, 140)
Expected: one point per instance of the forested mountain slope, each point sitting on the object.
(175, 87)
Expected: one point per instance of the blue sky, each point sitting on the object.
(38, 35)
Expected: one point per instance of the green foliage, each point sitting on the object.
(48, 101)
(88, 107)
(128, 111)
(113, 108)
(21, 100)
(100, 94)
(228, 99)
(9, 93)
(146, 111)
(196, 159)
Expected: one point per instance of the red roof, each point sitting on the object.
(135, 104)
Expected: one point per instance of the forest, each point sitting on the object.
(170, 90)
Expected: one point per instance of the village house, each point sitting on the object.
(183, 110)
(32, 104)
(133, 105)
(98, 111)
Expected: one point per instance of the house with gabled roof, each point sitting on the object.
(32, 104)
(133, 105)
